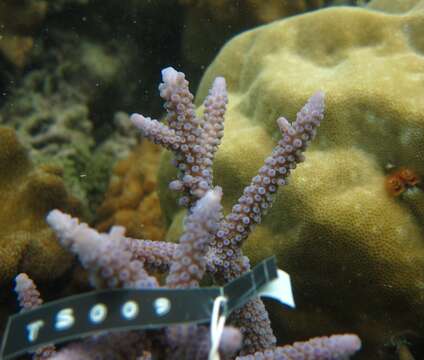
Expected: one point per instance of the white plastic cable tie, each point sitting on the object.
(217, 327)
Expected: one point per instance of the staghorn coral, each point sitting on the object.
(112, 264)
(333, 347)
(115, 260)
(335, 226)
(29, 298)
(195, 140)
(27, 193)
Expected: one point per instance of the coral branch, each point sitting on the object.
(200, 140)
(213, 124)
(116, 346)
(336, 347)
(195, 140)
(157, 132)
(253, 321)
(29, 298)
(104, 255)
(188, 264)
(156, 255)
(193, 342)
(258, 196)
(28, 295)
(187, 269)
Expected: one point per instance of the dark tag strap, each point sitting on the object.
(127, 309)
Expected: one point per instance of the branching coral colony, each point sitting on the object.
(210, 243)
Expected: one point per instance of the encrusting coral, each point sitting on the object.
(335, 226)
(210, 242)
(131, 199)
(27, 194)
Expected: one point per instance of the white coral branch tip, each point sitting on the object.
(169, 75)
(219, 86)
(140, 121)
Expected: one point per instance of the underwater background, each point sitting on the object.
(349, 225)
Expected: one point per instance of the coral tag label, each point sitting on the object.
(82, 315)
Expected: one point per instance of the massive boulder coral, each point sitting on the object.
(26, 195)
(356, 253)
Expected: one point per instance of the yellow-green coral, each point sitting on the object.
(26, 194)
(355, 253)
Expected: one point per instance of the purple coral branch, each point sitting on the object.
(156, 255)
(228, 261)
(157, 132)
(117, 346)
(105, 256)
(194, 342)
(194, 140)
(200, 139)
(29, 298)
(336, 347)
(253, 321)
(188, 263)
(187, 269)
(28, 294)
(257, 198)
(110, 261)
(213, 125)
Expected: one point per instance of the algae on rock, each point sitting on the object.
(52, 112)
